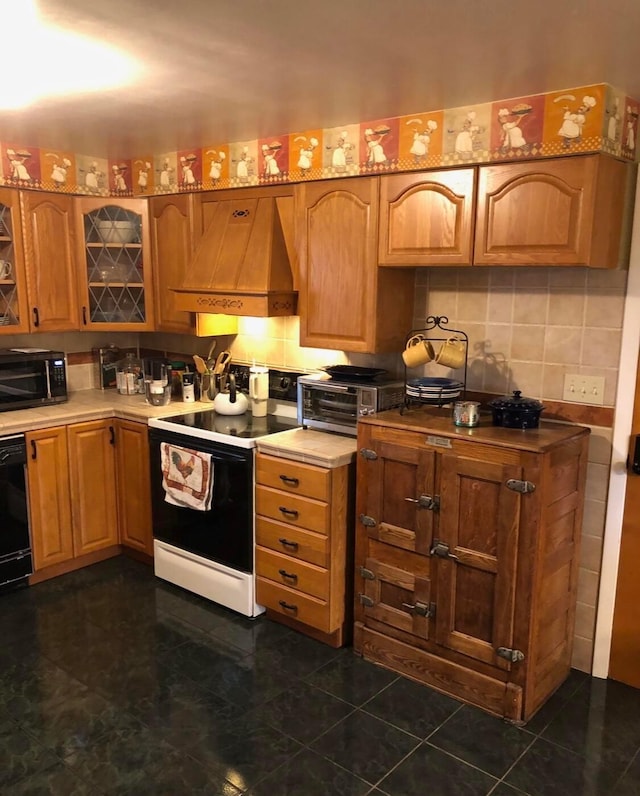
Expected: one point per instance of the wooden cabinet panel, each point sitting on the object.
(293, 477)
(293, 604)
(50, 261)
(491, 597)
(291, 572)
(93, 485)
(346, 301)
(134, 486)
(49, 497)
(427, 218)
(563, 211)
(296, 510)
(175, 228)
(296, 542)
(14, 307)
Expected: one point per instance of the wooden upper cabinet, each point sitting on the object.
(427, 218)
(175, 227)
(114, 264)
(50, 261)
(14, 307)
(346, 301)
(564, 211)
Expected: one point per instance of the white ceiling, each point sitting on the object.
(234, 70)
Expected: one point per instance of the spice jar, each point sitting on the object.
(466, 413)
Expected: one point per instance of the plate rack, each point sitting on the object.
(437, 331)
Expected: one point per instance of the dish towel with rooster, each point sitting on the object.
(187, 477)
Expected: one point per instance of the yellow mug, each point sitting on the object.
(418, 351)
(452, 353)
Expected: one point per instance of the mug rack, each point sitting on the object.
(436, 330)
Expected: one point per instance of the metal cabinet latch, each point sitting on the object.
(421, 609)
(524, 487)
(367, 521)
(513, 656)
(366, 601)
(441, 550)
(367, 453)
(428, 502)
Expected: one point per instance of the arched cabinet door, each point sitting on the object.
(565, 211)
(427, 218)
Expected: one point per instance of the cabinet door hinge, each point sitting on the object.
(367, 453)
(441, 550)
(523, 487)
(421, 609)
(367, 521)
(367, 574)
(366, 601)
(513, 656)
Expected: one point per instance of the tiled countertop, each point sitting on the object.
(90, 405)
(312, 447)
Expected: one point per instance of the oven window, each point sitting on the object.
(330, 406)
(22, 381)
(225, 532)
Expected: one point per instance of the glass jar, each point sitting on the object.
(178, 369)
(128, 375)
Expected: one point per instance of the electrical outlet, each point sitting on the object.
(584, 389)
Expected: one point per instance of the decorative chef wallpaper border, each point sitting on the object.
(594, 118)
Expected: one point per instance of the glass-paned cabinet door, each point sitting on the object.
(117, 292)
(13, 300)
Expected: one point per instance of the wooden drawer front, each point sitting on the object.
(295, 542)
(293, 573)
(299, 511)
(291, 603)
(293, 477)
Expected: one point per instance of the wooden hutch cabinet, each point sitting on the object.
(467, 555)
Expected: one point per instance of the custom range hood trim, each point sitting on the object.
(242, 264)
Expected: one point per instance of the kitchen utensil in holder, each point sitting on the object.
(443, 340)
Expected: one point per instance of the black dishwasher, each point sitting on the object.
(15, 546)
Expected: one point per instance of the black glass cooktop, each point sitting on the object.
(242, 426)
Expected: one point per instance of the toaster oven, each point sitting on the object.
(331, 404)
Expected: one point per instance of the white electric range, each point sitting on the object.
(205, 542)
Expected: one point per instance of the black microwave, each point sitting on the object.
(31, 377)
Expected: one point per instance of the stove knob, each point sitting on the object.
(285, 381)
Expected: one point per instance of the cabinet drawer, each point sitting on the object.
(293, 573)
(295, 542)
(293, 477)
(292, 509)
(285, 601)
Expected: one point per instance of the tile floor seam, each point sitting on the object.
(503, 778)
(460, 759)
(629, 764)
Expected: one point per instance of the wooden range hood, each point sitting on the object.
(242, 264)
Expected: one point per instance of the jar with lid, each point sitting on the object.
(178, 369)
(128, 375)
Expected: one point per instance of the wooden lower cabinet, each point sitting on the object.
(134, 486)
(72, 495)
(467, 555)
(303, 537)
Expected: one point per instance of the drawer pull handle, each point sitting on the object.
(286, 479)
(289, 512)
(288, 575)
(288, 606)
(287, 543)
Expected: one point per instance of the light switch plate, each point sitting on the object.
(584, 389)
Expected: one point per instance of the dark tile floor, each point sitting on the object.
(113, 682)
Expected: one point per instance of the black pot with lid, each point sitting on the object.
(514, 411)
